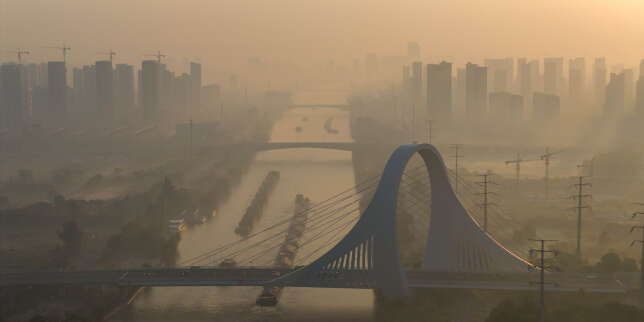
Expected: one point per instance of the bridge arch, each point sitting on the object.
(456, 243)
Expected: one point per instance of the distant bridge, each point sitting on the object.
(267, 146)
(341, 106)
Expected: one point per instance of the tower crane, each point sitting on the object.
(158, 55)
(546, 158)
(64, 49)
(111, 54)
(517, 163)
(20, 52)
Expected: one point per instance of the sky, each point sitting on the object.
(224, 33)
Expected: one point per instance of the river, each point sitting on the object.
(318, 174)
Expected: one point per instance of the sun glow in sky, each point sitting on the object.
(227, 31)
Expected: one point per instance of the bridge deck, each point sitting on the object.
(213, 276)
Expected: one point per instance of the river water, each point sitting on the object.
(318, 174)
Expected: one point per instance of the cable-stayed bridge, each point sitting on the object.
(349, 243)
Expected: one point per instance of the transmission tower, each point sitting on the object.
(456, 156)
(542, 251)
(641, 241)
(580, 197)
(484, 183)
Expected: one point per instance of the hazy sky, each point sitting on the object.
(225, 32)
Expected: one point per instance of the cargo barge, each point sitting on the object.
(288, 250)
(256, 209)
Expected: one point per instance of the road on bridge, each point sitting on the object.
(215, 276)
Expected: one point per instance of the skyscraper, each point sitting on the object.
(500, 73)
(552, 75)
(124, 88)
(12, 98)
(475, 91)
(614, 105)
(439, 91)
(599, 81)
(506, 107)
(195, 76)
(150, 88)
(546, 107)
(639, 92)
(416, 81)
(413, 50)
(577, 79)
(57, 88)
(629, 85)
(105, 90)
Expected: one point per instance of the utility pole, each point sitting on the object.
(542, 251)
(546, 158)
(580, 196)
(428, 124)
(484, 183)
(456, 148)
(221, 113)
(635, 214)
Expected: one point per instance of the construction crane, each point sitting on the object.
(158, 55)
(111, 54)
(546, 158)
(517, 163)
(64, 49)
(20, 52)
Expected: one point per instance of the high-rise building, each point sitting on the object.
(475, 91)
(614, 105)
(195, 76)
(500, 73)
(105, 90)
(459, 90)
(528, 76)
(413, 50)
(639, 91)
(599, 81)
(57, 88)
(416, 81)
(12, 96)
(439, 91)
(506, 107)
(552, 75)
(150, 87)
(629, 85)
(577, 79)
(124, 88)
(545, 107)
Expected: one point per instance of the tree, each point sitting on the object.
(72, 238)
(526, 310)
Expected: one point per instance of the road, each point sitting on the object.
(215, 276)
